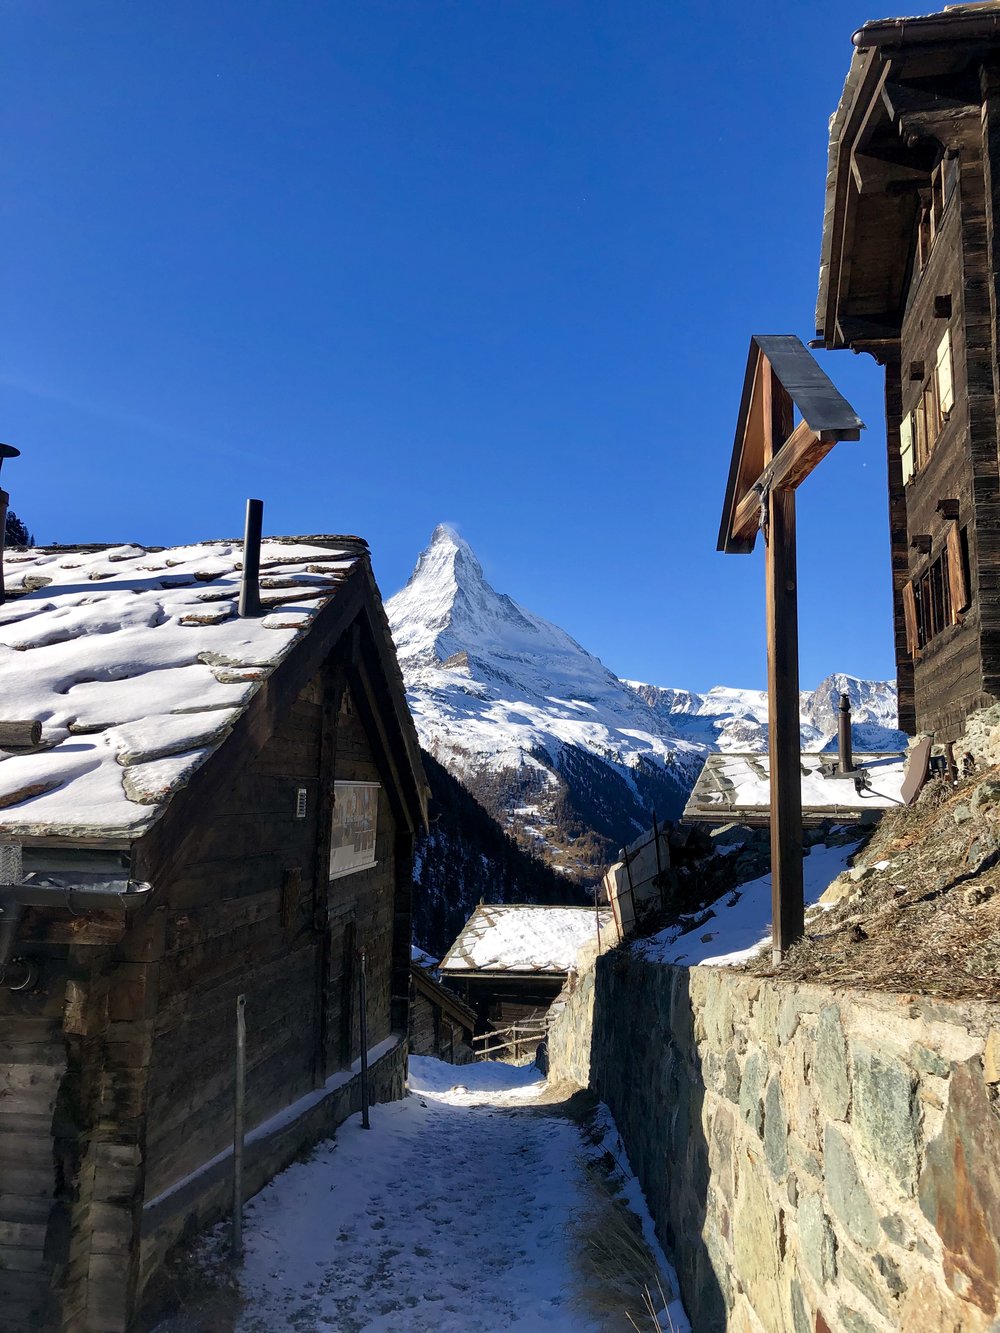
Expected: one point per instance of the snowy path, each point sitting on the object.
(463, 1210)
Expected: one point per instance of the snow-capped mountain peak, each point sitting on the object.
(568, 757)
(449, 618)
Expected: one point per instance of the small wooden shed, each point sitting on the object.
(218, 806)
(511, 959)
(441, 1024)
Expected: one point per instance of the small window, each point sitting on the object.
(906, 446)
(919, 429)
(355, 823)
(931, 601)
(943, 375)
(925, 235)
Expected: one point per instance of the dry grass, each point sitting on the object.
(618, 1273)
(195, 1292)
(929, 921)
(616, 1268)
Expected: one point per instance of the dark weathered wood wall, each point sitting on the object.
(246, 915)
(34, 1059)
(959, 669)
(987, 439)
(120, 1067)
(948, 671)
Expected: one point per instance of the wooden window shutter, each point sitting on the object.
(943, 373)
(910, 617)
(956, 571)
(906, 446)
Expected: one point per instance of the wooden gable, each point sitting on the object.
(782, 376)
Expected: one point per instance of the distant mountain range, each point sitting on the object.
(568, 758)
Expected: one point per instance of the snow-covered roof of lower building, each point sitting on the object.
(737, 787)
(137, 665)
(523, 938)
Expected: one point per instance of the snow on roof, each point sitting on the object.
(137, 665)
(519, 937)
(735, 785)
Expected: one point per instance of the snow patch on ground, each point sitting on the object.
(739, 923)
(457, 1213)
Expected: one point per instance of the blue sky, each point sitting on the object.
(493, 262)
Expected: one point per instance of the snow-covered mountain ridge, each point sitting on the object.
(734, 719)
(571, 759)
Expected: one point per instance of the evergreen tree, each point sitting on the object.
(16, 532)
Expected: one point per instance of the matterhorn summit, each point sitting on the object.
(449, 617)
(571, 760)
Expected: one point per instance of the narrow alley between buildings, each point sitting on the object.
(485, 1200)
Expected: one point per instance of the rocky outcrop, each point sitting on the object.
(814, 1159)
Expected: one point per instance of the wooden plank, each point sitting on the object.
(917, 766)
(333, 693)
(787, 901)
(956, 570)
(910, 619)
(781, 375)
(789, 467)
(817, 398)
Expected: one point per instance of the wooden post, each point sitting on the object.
(784, 742)
(363, 1003)
(333, 691)
(239, 1105)
(4, 502)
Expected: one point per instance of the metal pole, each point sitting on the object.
(845, 756)
(363, 997)
(4, 501)
(250, 583)
(238, 1114)
(6, 451)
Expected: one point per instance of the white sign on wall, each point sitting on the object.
(355, 823)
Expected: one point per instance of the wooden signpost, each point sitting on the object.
(772, 456)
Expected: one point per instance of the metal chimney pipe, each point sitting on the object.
(845, 757)
(250, 583)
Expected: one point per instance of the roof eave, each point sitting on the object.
(861, 75)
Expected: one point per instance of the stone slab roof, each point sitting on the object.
(137, 665)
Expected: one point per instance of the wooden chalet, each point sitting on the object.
(511, 959)
(217, 805)
(441, 1024)
(910, 271)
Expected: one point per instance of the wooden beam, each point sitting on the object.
(794, 461)
(784, 744)
(333, 693)
(874, 175)
(363, 696)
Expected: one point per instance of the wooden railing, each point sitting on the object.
(516, 1042)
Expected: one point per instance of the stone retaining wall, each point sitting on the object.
(815, 1160)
